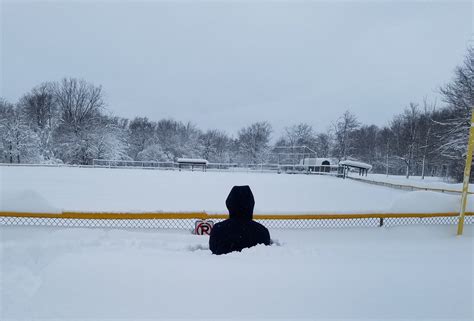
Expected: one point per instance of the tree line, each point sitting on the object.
(66, 122)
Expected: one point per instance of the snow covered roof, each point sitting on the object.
(193, 160)
(357, 164)
(315, 161)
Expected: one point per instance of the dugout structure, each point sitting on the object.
(362, 168)
(191, 163)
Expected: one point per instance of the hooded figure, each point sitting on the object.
(239, 231)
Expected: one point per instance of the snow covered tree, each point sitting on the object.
(154, 153)
(177, 139)
(216, 146)
(18, 143)
(141, 136)
(454, 129)
(39, 110)
(109, 140)
(79, 105)
(253, 142)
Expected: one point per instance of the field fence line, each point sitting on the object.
(406, 187)
(187, 221)
(211, 167)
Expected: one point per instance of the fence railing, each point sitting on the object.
(186, 220)
(228, 167)
(216, 167)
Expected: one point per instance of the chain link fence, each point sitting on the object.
(189, 223)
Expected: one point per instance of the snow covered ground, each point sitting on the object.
(46, 189)
(428, 181)
(398, 273)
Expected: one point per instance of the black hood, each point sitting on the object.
(240, 202)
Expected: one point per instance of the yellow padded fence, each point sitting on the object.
(186, 220)
(204, 215)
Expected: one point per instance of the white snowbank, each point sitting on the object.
(409, 273)
(26, 201)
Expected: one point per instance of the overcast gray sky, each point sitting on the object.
(227, 64)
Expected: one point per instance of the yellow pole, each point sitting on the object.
(467, 174)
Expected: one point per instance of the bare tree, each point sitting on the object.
(39, 106)
(300, 135)
(79, 102)
(364, 141)
(343, 131)
(384, 145)
(426, 132)
(323, 144)
(406, 136)
(80, 106)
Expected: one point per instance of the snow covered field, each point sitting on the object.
(397, 273)
(43, 189)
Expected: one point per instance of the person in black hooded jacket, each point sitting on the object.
(239, 231)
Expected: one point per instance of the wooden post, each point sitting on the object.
(467, 175)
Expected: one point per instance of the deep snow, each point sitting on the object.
(409, 273)
(397, 273)
(43, 189)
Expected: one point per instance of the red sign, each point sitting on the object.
(203, 227)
